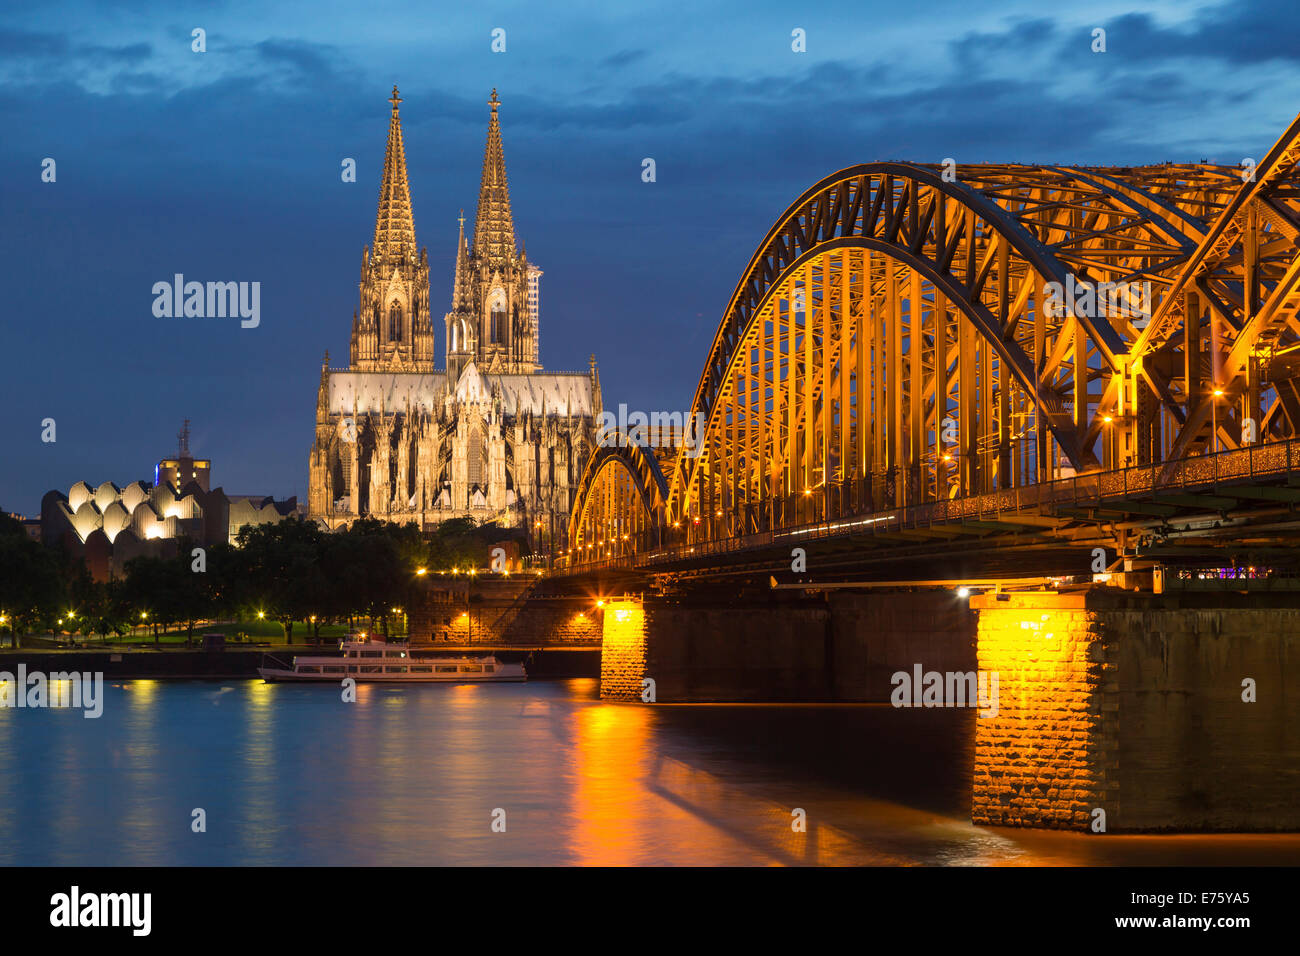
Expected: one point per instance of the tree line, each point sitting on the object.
(288, 572)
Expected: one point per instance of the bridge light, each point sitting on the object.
(718, 513)
(600, 603)
(1218, 393)
(1107, 419)
(947, 457)
(963, 592)
(421, 571)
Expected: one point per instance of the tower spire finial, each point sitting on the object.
(494, 227)
(395, 221)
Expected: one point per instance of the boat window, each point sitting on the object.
(446, 668)
(472, 669)
(308, 669)
(333, 669)
(489, 668)
(421, 669)
(371, 669)
(396, 670)
(372, 653)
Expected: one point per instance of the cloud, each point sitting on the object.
(622, 58)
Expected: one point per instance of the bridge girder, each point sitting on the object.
(904, 333)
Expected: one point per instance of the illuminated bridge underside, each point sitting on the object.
(899, 340)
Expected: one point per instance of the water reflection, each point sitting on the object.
(293, 774)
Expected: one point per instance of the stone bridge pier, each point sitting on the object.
(1103, 709)
(1139, 711)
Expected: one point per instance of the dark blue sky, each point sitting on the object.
(225, 166)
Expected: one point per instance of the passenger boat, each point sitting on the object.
(371, 659)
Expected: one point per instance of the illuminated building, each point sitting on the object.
(490, 436)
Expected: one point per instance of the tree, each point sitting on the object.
(282, 567)
(32, 586)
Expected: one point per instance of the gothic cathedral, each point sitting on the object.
(491, 436)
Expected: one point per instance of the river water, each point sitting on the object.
(291, 774)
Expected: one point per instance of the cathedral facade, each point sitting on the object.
(489, 435)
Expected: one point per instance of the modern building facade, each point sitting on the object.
(109, 525)
(489, 435)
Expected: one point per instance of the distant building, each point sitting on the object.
(110, 525)
(31, 525)
(180, 471)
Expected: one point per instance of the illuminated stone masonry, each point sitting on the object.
(490, 436)
(1137, 711)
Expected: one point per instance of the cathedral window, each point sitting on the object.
(474, 458)
(498, 322)
(395, 323)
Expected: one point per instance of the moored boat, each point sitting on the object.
(370, 659)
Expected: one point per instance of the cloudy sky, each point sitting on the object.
(225, 165)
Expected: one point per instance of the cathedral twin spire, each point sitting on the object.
(392, 328)
(494, 229)
(494, 307)
(395, 222)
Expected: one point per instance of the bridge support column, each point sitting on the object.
(1138, 712)
(623, 651)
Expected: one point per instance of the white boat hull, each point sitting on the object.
(506, 673)
(378, 662)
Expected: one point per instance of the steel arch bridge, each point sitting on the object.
(910, 333)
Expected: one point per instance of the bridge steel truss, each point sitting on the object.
(909, 333)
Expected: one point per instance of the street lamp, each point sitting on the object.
(1214, 420)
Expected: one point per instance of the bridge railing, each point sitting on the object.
(1268, 461)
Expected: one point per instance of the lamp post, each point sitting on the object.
(1214, 420)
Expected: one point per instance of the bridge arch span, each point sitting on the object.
(621, 501)
(818, 338)
(908, 333)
